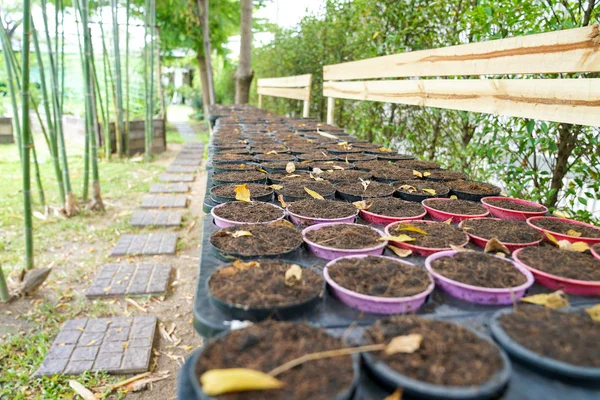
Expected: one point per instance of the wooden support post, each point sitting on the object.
(330, 110)
(260, 101)
(306, 109)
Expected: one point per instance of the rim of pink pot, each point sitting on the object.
(543, 210)
(563, 235)
(450, 253)
(595, 253)
(323, 220)
(350, 251)
(507, 244)
(412, 246)
(518, 261)
(361, 296)
(394, 219)
(228, 221)
(449, 214)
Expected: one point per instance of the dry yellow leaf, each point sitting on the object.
(237, 234)
(362, 205)
(271, 152)
(594, 312)
(347, 162)
(549, 300)
(448, 221)
(242, 266)
(426, 174)
(316, 178)
(242, 193)
(495, 246)
(397, 395)
(404, 344)
(430, 191)
(417, 174)
(283, 222)
(290, 167)
(399, 238)
(408, 188)
(261, 170)
(281, 201)
(338, 167)
(453, 197)
(364, 183)
(292, 275)
(317, 171)
(342, 143)
(385, 150)
(579, 247)
(573, 232)
(400, 252)
(91, 342)
(410, 228)
(459, 248)
(276, 187)
(313, 194)
(220, 381)
(292, 176)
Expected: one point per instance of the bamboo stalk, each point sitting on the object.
(118, 86)
(127, 124)
(103, 111)
(4, 295)
(86, 147)
(118, 139)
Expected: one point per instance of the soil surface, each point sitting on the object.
(345, 176)
(471, 187)
(570, 337)
(378, 276)
(564, 263)
(241, 211)
(352, 157)
(266, 239)
(296, 189)
(315, 208)
(228, 190)
(263, 285)
(235, 167)
(241, 176)
(343, 149)
(232, 157)
(392, 172)
(384, 155)
(505, 230)
(460, 207)
(446, 175)
(511, 205)
(344, 236)
(417, 164)
(394, 207)
(417, 186)
(281, 165)
(231, 151)
(275, 157)
(564, 226)
(227, 145)
(479, 269)
(439, 235)
(277, 177)
(331, 165)
(372, 164)
(270, 344)
(302, 149)
(317, 156)
(373, 189)
(450, 355)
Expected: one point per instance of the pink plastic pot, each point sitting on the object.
(478, 294)
(482, 242)
(505, 213)
(444, 216)
(329, 253)
(374, 304)
(378, 219)
(424, 251)
(225, 223)
(307, 221)
(560, 236)
(595, 250)
(555, 282)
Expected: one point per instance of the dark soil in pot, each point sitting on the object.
(266, 239)
(563, 263)
(378, 276)
(418, 190)
(261, 284)
(394, 207)
(323, 209)
(343, 149)
(455, 206)
(274, 157)
(240, 211)
(353, 157)
(449, 355)
(280, 166)
(479, 269)
(241, 177)
(358, 190)
(345, 175)
(439, 235)
(445, 175)
(228, 190)
(232, 157)
(370, 146)
(218, 167)
(282, 177)
(330, 165)
(302, 149)
(231, 151)
(392, 156)
(505, 230)
(564, 226)
(292, 191)
(391, 173)
(472, 190)
(371, 165)
(570, 337)
(418, 164)
(511, 205)
(344, 236)
(317, 156)
(270, 344)
(226, 145)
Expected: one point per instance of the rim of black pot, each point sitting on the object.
(291, 199)
(217, 182)
(416, 197)
(231, 256)
(224, 199)
(218, 170)
(476, 197)
(352, 198)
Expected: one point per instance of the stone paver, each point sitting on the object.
(130, 279)
(120, 345)
(186, 162)
(156, 218)
(165, 201)
(182, 169)
(189, 156)
(177, 177)
(145, 244)
(170, 188)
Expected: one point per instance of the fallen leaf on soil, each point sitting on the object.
(327, 135)
(430, 191)
(594, 312)
(364, 183)
(426, 174)
(317, 171)
(91, 342)
(292, 275)
(316, 178)
(459, 248)
(453, 197)
(313, 194)
(143, 384)
(338, 167)
(549, 300)
(411, 228)
(417, 174)
(448, 221)
(579, 247)
(81, 390)
(362, 205)
(347, 162)
(559, 214)
(242, 266)
(271, 152)
(242, 193)
(404, 344)
(408, 188)
(220, 381)
(400, 252)
(136, 304)
(551, 238)
(494, 245)
(573, 232)
(342, 143)
(275, 187)
(164, 333)
(397, 395)
(39, 215)
(106, 289)
(237, 234)
(399, 238)
(385, 150)
(281, 201)
(283, 222)
(261, 170)
(290, 167)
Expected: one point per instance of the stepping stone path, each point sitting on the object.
(186, 162)
(187, 133)
(118, 345)
(194, 155)
(170, 188)
(130, 279)
(177, 177)
(145, 244)
(156, 218)
(182, 169)
(165, 201)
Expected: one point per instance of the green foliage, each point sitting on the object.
(525, 157)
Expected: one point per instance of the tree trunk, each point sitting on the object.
(203, 9)
(567, 142)
(204, 82)
(244, 73)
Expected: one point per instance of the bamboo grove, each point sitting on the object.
(106, 97)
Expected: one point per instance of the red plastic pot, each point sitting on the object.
(424, 251)
(482, 242)
(560, 236)
(378, 219)
(505, 213)
(595, 250)
(444, 216)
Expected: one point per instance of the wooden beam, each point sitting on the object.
(260, 101)
(288, 93)
(569, 50)
(287, 81)
(330, 108)
(306, 109)
(575, 101)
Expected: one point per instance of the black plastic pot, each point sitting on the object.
(366, 157)
(217, 170)
(416, 197)
(262, 181)
(230, 256)
(352, 198)
(473, 196)
(282, 169)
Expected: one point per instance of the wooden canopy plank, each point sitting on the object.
(569, 50)
(287, 81)
(575, 101)
(288, 93)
